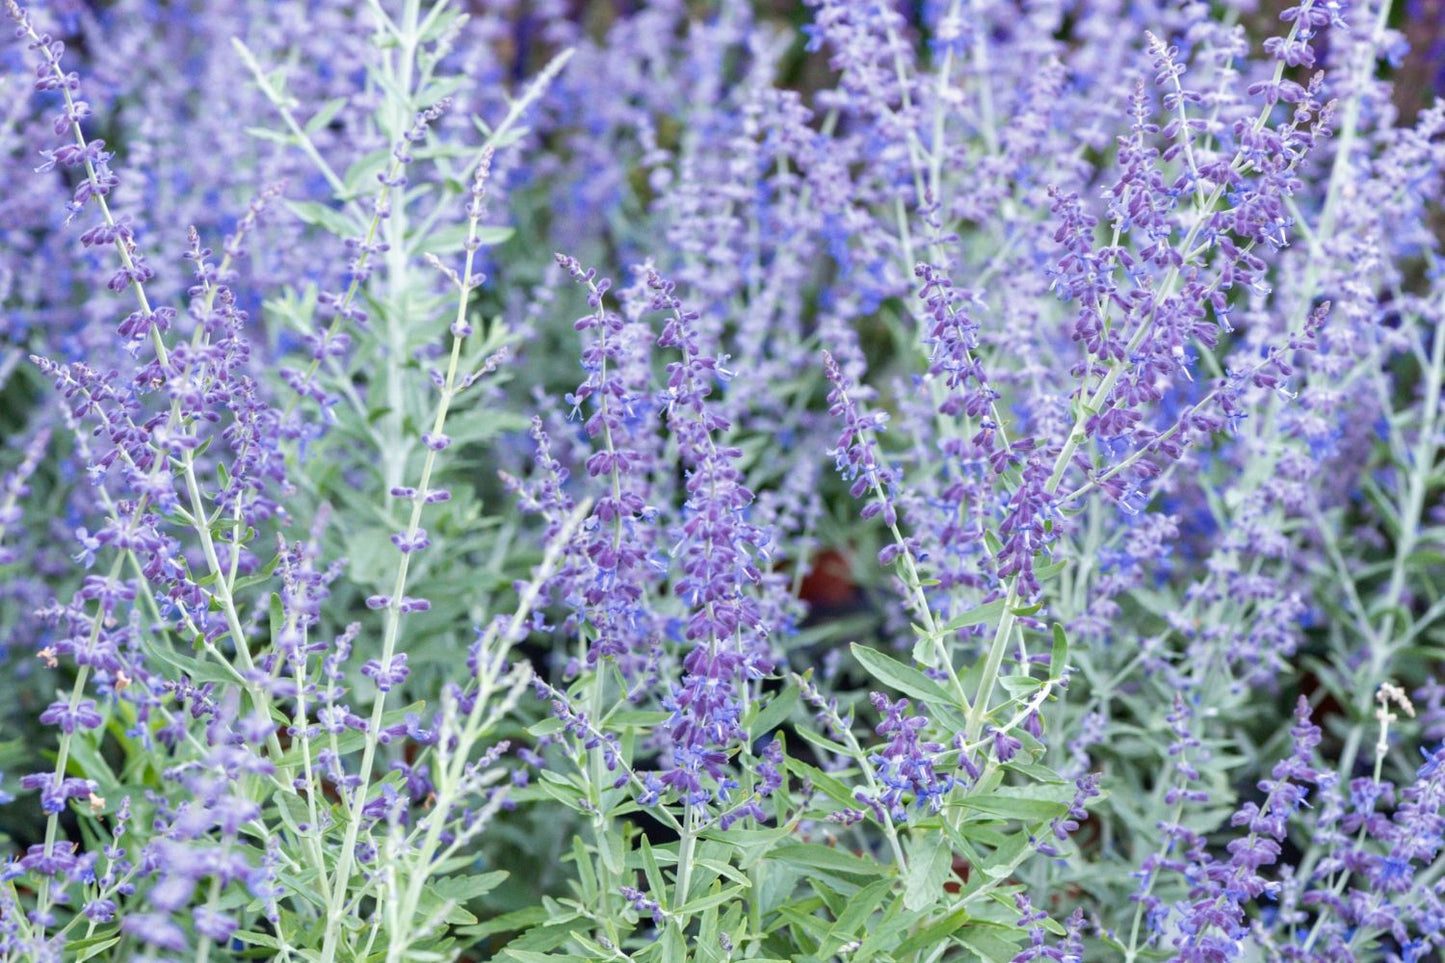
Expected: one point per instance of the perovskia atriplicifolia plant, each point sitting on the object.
(966, 486)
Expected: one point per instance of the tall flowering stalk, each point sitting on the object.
(390, 669)
(1123, 650)
(720, 552)
(143, 449)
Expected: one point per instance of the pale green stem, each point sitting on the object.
(346, 857)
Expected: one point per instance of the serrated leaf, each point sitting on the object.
(507, 922)
(928, 866)
(464, 888)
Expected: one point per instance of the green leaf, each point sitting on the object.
(92, 764)
(982, 615)
(433, 905)
(598, 951)
(265, 133)
(925, 649)
(1020, 686)
(1034, 772)
(775, 712)
(587, 877)
(932, 936)
(816, 856)
(750, 845)
(1007, 856)
(905, 679)
(655, 880)
(450, 240)
(988, 941)
(610, 848)
(328, 219)
(826, 744)
(1059, 654)
(831, 787)
(277, 614)
(326, 114)
(464, 888)
(802, 920)
(1021, 808)
(706, 902)
(360, 177)
(860, 907)
(258, 577)
(293, 812)
(508, 922)
(928, 866)
(638, 718)
(93, 946)
(1045, 572)
(547, 726)
(258, 939)
(197, 670)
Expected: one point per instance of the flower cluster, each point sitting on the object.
(997, 513)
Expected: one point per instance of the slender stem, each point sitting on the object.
(914, 582)
(398, 443)
(978, 712)
(303, 139)
(684, 861)
(392, 627)
(1422, 467)
(1360, 73)
(123, 248)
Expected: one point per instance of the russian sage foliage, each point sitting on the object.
(997, 514)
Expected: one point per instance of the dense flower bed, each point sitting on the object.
(997, 515)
